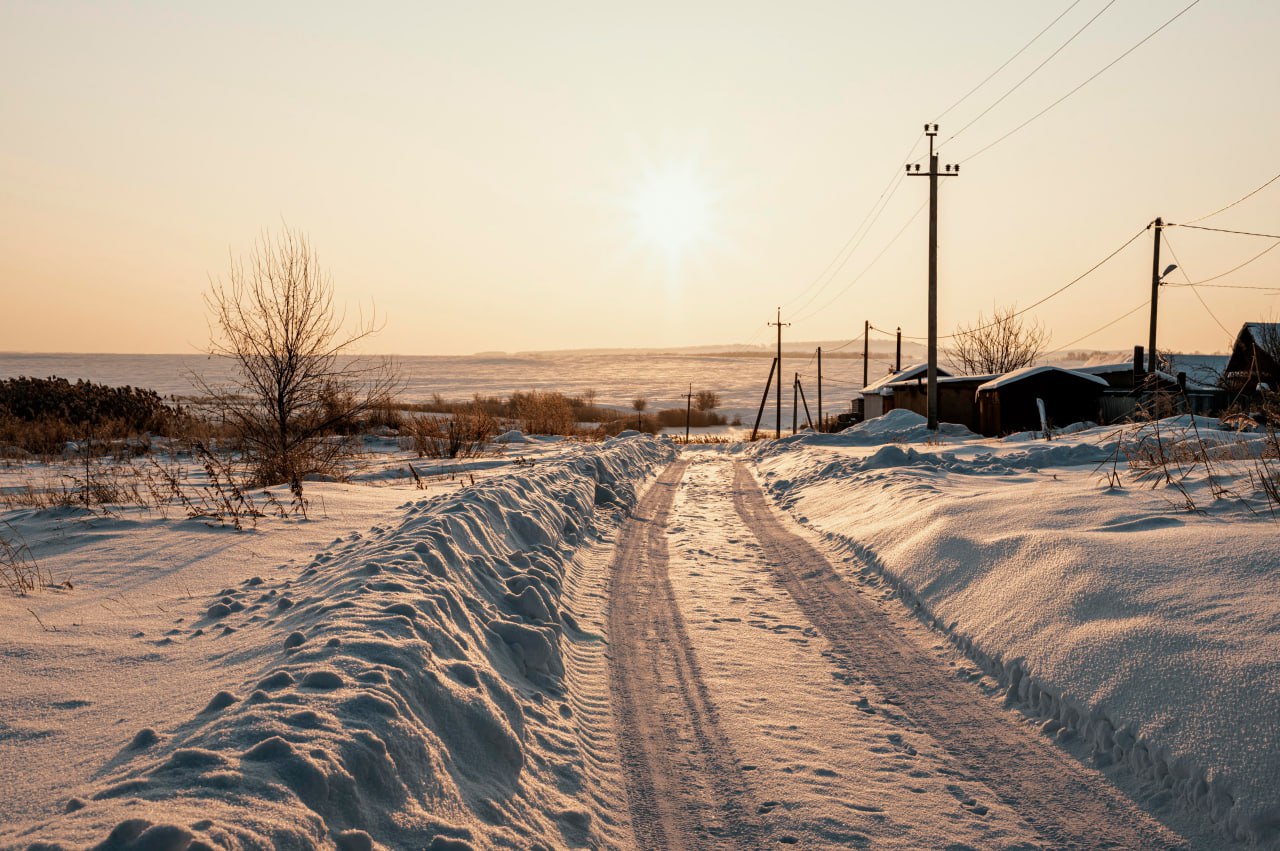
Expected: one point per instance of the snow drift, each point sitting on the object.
(1118, 617)
(410, 692)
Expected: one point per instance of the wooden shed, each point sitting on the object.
(877, 396)
(1008, 404)
(957, 400)
(1254, 358)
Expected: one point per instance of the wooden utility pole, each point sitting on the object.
(933, 174)
(795, 402)
(1157, 227)
(819, 388)
(866, 348)
(804, 401)
(897, 361)
(764, 398)
(778, 425)
(688, 406)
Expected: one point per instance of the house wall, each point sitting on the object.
(956, 402)
(1012, 408)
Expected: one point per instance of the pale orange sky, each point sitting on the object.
(475, 169)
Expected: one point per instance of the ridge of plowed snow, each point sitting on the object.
(411, 690)
(1146, 631)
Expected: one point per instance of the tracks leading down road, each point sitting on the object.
(1067, 803)
(684, 788)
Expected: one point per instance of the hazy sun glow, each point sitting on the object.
(672, 210)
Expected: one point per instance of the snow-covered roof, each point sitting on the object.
(1127, 366)
(942, 379)
(1028, 371)
(1268, 328)
(1204, 372)
(913, 371)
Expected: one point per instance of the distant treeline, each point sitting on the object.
(41, 415)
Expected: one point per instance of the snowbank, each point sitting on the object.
(1123, 620)
(407, 688)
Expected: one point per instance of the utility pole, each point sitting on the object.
(795, 402)
(866, 348)
(897, 363)
(819, 388)
(1157, 226)
(764, 398)
(933, 174)
(778, 424)
(688, 406)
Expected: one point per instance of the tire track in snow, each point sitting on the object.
(683, 784)
(1069, 805)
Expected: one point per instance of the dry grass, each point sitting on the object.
(19, 570)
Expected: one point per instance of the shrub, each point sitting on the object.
(463, 435)
(541, 412)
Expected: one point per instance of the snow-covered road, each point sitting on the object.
(763, 699)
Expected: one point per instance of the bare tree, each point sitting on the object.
(1001, 344)
(296, 383)
(706, 400)
(639, 403)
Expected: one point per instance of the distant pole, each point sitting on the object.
(688, 406)
(931, 130)
(778, 422)
(866, 348)
(819, 388)
(897, 365)
(795, 402)
(1156, 226)
(764, 398)
(804, 401)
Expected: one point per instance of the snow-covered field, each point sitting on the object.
(390, 670)
(429, 664)
(1142, 620)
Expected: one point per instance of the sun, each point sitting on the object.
(672, 210)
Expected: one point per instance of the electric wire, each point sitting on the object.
(1225, 287)
(1033, 72)
(1021, 51)
(866, 268)
(1183, 269)
(1235, 202)
(1223, 230)
(1089, 80)
(1099, 330)
(1053, 294)
(1257, 256)
(856, 240)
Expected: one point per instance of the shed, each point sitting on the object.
(1008, 404)
(1254, 357)
(957, 399)
(875, 394)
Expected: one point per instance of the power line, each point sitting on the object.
(1095, 76)
(1021, 50)
(864, 227)
(1034, 70)
(1194, 289)
(1257, 256)
(1053, 294)
(844, 345)
(1224, 287)
(1099, 330)
(1224, 230)
(866, 268)
(1233, 203)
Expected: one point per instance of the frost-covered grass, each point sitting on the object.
(1130, 610)
(390, 670)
